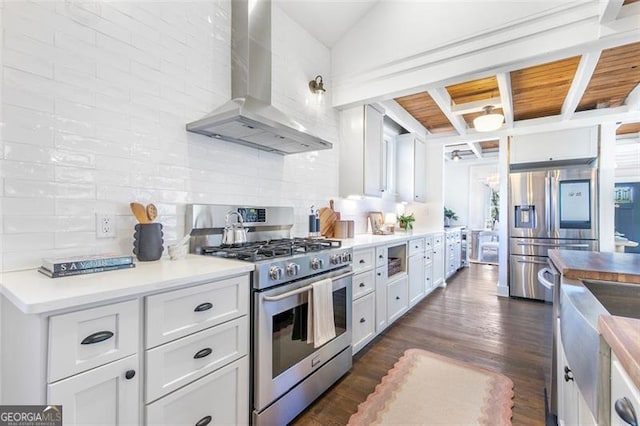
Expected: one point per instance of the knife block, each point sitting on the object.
(147, 241)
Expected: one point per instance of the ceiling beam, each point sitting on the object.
(475, 106)
(504, 86)
(586, 67)
(587, 118)
(476, 148)
(442, 98)
(608, 10)
(400, 115)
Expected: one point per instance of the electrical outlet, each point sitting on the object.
(105, 225)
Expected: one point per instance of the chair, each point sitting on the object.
(488, 246)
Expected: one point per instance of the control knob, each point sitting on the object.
(346, 256)
(293, 269)
(317, 263)
(275, 273)
(336, 258)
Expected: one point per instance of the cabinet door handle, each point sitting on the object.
(203, 307)
(97, 337)
(204, 421)
(361, 261)
(361, 285)
(202, 353)
(397, 297)
(625, 411)
(130, 374)
(362, 320)
(381, 256)
(379, 274)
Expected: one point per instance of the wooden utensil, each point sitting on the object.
(139, 212)
(327, 219)
(152, 212)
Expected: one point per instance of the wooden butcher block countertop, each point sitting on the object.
(593, 265)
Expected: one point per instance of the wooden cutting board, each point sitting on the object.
(327, 219)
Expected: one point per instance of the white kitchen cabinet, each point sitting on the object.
(411, 173)
(438, 260)
(220, 398)
(105, 395)
(416, 270)
(364, 321)
(361, 152)
(572, 144)
(381, 298)
(622, 387)
(363, 313)
(397, 298)
(572, 407)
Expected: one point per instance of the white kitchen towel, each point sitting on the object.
(321, 313)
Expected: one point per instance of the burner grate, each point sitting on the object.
(263, 250)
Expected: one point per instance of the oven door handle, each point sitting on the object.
(300, 290)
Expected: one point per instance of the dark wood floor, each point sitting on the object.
(465, 321)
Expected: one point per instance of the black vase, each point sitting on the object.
(147, 241)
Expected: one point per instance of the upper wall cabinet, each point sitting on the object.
(564, 145)
(411, 178)
(361, 157)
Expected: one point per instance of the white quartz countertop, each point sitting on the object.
(35, 293)
(370, 240)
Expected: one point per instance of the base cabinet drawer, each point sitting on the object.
(105, 395)
(397, 299)
(363, 259)
(81, 340)
(364, 321)
(178, 313)
(182, 361)
(363, 283)
(416, 246)
(220, 398)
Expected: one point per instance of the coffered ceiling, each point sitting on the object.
(601, 79)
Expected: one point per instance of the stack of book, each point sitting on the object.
(64, 267)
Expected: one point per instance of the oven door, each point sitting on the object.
(282, 357)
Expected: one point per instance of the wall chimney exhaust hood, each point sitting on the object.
(249, 118)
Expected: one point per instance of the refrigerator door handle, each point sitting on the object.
(537, 262)
(547, 204)
(572, 245)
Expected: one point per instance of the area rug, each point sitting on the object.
(430, 389)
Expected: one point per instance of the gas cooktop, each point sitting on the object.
(271, 249)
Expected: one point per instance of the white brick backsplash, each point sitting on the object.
(96, 120)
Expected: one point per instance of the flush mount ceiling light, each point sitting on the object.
(488, 122)
(317, 85)
(455, 155)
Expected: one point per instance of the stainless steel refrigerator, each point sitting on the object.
(548, 209)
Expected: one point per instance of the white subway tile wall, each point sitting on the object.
(95, 97)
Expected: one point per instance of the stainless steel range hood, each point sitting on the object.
(249, 118)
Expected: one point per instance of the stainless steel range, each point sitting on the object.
(288, 372)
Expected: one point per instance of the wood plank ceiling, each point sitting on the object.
(543, 90)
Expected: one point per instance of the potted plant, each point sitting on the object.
(406, 221)
(449, 215)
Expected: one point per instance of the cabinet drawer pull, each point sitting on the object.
(361, 285)
(97, 337)
(568, 374)
(379, 274)
(361, 261)
(625, 411)
(204, 421)
(203, 353)
(203, 307)
(397, 297)
(362, 320)
(130, 374)
(381, 256)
